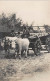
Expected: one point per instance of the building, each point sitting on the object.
(40, 29)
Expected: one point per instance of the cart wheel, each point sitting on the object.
(47, 45)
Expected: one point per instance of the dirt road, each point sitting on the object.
(32, 68)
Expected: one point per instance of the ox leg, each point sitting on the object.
(8, 53)
(15, 53)
(20, 55)
(28, 51)
(5, 53)
(26, 54)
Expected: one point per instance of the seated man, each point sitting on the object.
(26, 33)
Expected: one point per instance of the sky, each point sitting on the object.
(35, 11)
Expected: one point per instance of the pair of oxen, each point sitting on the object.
(20, 45)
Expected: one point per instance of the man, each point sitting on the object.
(6, 45)
(26, 33)
(38, 45)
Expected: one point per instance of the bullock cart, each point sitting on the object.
(37, 41)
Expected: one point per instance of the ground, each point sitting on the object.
(32, 68)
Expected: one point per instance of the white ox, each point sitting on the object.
(23, 44)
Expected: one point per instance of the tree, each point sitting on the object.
(47, 28)
(11, 22)
(4, 19)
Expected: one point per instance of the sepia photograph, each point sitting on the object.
(24, 40)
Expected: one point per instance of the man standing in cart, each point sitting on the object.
(38, 45)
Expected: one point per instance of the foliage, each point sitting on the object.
(11, 22)
(47, 28)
